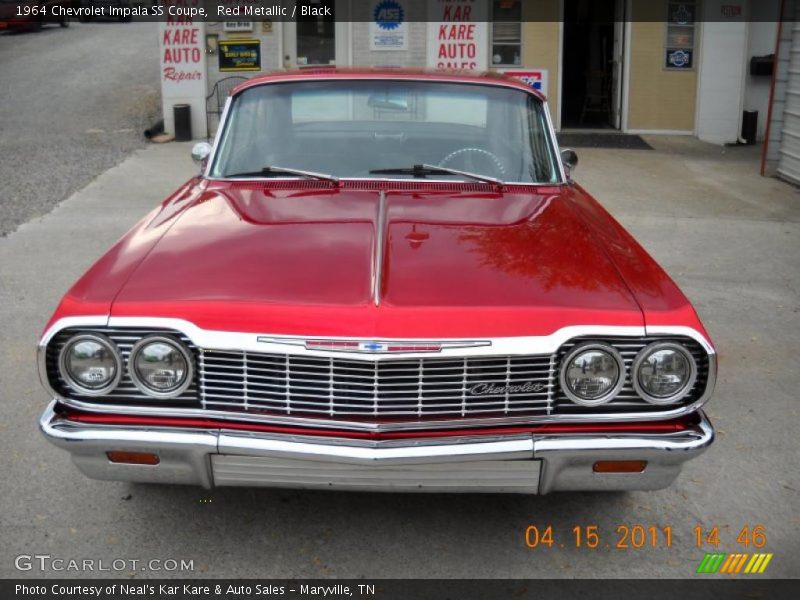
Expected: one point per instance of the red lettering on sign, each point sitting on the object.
(457, 13)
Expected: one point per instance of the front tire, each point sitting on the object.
(64, 22)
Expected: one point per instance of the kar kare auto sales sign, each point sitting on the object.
(458, 34)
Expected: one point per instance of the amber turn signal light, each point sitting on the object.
(133, 458)
(619, 466)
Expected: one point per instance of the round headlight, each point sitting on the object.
(90, 364)
(592, 374)
(664, 373)
(160, 367)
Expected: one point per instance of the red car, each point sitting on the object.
(30, 15)
(380, 280)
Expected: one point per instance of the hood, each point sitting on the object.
(456, 263)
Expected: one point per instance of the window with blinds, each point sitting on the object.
(506, 33)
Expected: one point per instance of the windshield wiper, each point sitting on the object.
(275, 170)
(424, 170)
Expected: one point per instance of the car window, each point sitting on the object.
(350, 128)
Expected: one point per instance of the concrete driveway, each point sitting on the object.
(73, 103)
(729, 237)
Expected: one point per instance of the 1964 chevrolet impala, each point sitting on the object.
(381, 280)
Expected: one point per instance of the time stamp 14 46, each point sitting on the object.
(638, 536)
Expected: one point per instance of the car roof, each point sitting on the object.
(363, 73)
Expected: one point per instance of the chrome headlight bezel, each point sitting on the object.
(70, 379)
(644, 353)
(146, 389)
(608, 396)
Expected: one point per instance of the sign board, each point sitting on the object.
(536, 78)
(679, 59)
(182, 62)
(388, 28)
(239, 55)
(458, 34)
(183, 58)
(235, 26)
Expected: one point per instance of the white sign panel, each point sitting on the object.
(183, 59)
(387, 30)
(182, 56)
(536, 78)
(238, 26)
(458, 34)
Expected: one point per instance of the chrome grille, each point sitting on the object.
(302, 384)
(363, 389)
(627, 399)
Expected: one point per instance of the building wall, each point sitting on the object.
(541, 45)
(416, 30)
(775, 138)
(763, 29)
(657, 98)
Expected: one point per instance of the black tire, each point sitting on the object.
(125, 19)
(64, 22)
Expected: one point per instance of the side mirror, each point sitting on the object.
(200, 153)
(570, 160)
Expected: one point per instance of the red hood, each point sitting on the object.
(456, 264)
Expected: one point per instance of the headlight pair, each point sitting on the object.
(593, 374)
(159, 366)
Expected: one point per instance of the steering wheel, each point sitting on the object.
(485, 155)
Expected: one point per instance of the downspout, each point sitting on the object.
(765, 147)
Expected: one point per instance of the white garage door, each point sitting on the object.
(789, 162)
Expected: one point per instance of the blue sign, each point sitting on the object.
(679, 59)
(388, 14)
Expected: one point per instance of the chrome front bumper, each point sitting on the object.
(520, 463)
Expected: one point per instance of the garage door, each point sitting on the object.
(789, 161)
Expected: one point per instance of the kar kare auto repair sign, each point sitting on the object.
(458, 34)
(182, 53)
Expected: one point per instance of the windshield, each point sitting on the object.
(380, 129)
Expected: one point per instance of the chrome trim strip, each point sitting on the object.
(303, 343)
(378, 253)
(221, 340)
(554, 145)
(443, 450)
(223, 121)
(382, 180)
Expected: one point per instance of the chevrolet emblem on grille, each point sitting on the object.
(492, 389)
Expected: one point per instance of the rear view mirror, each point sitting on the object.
(387, 101)
(570, 160)
(200, 153)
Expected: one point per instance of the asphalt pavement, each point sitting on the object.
(729, 237)
(73, 102)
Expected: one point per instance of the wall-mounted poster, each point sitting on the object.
(239, 55)
(387, 30)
